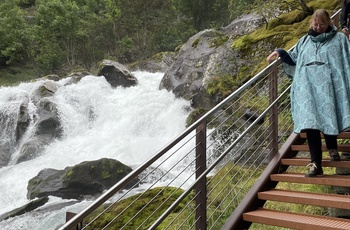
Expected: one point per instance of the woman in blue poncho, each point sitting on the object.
(319, 66)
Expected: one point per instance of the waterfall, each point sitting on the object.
(98, 121)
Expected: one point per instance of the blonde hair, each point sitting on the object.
(321, 15)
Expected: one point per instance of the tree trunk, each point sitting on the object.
(307, 9)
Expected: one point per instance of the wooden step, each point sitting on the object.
(295, 220)
(332, 180)
(305, 148)
(308, 198)
(325, 162)
(343, 135)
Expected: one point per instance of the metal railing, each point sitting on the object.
(197, 180)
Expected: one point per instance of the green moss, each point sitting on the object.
(223, 85)
(177, 49)
(290, 18)
(195, 115)
(218, 41)
(105, 175)
(195, 42)
(159, 56)
(68, 174)
(159, 199)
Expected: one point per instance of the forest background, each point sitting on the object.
(40, 37)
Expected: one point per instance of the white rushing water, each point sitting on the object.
(126, 124)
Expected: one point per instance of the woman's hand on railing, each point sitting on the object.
(273, 56)
(346, 31)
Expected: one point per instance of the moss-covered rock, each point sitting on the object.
(152, 203)
(206, 56)
(89, 178)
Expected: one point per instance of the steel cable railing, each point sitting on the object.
(224, 148)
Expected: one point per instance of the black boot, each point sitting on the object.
(334, 155)
(314, 170)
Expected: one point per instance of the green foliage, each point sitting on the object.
(195, 115)
(70, 31)
(204, 13)
(52, 33)
(239, 7)
(13, 33)
(25, 3)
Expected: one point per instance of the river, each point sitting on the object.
(128, 124)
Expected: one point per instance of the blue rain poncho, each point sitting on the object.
(320, 82)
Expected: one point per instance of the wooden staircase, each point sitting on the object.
(305, 221)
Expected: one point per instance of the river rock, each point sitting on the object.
(23, 120)
(117, 74)
(32, 205)
(46, 89)
(89, 178)
(47, 128)
(75, 77)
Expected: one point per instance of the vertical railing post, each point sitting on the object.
(273, 137)
(201, 187)
(70, 215)
(335, 20)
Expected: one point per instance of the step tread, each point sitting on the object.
(325, 162)
(333, 180)
(305, 148)
(309, 198)
(295, 220)
(343, 135)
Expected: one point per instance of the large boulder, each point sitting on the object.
(204, 56)
(116, 74)
(89, 178)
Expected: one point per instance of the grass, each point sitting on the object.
(10, 76)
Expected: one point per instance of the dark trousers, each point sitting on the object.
(315, 144)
